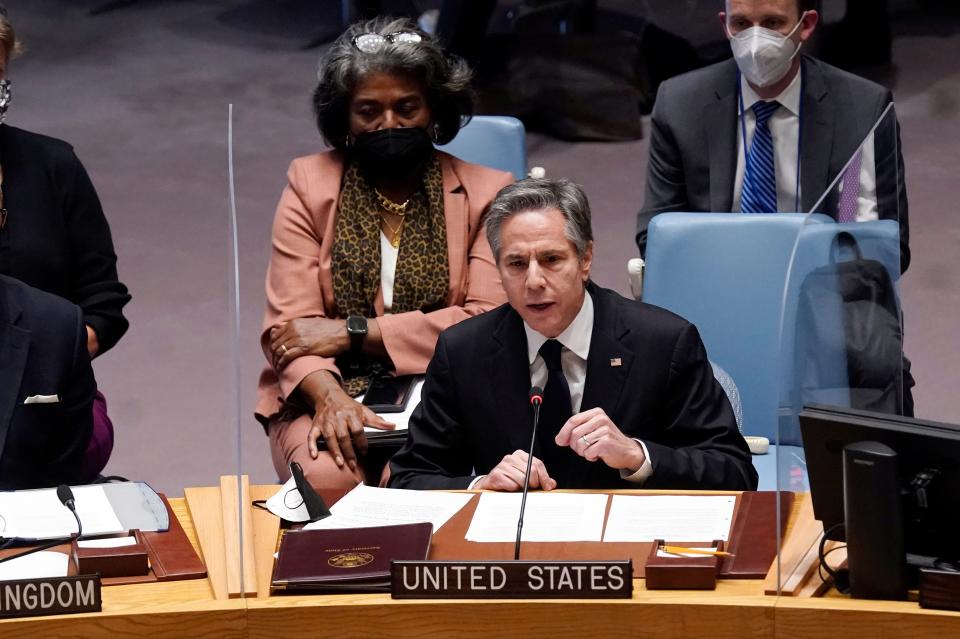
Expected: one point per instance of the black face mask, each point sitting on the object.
(392, 153)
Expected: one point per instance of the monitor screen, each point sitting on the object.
(928, 464)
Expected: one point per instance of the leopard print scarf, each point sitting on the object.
(423, 273)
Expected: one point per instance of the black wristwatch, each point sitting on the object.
(357, 330)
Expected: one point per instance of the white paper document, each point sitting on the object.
(365, 506)
(548, 517)
(39, 565)
(108, 542)
(38, 514)
(669, 517)
(400, 419)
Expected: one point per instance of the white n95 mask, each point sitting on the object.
(763, 55)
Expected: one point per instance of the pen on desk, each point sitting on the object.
(679, 550)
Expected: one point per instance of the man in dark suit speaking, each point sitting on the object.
(629, 395)
(46, 388)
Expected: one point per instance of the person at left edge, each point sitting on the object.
(377, 245)
(46, 389)
(55, 237)
(629, 399)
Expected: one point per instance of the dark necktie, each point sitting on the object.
(759, 194)
(554, 412)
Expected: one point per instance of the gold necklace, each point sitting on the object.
(394, 232)
(390, 206)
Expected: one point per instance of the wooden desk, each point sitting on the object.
(155, 610)
(737, 609)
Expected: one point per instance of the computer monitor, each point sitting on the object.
(928, 463)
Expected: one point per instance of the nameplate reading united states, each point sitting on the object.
(511, 579)
(50, 596)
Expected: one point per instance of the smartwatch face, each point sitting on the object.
(356, 324)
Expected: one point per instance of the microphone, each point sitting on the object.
(536, 399)
(65, 495)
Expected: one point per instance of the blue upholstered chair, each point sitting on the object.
(497, 141)
(738, 278)
(726, 273)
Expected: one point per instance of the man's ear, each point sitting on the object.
(586, 261)
(810, 21)
(723, 23)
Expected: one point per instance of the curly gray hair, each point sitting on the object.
(445, 78)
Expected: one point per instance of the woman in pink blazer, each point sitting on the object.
(377, 245)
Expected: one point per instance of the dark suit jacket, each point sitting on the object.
(43, 351)
(693, 143)
(57, 238)
(474, 406)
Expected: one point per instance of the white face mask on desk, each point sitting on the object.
(764, 55)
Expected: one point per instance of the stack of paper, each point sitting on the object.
(365, 506)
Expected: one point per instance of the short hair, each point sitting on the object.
(445, 78)
(8, 37)
(539, 194)
(802, 5)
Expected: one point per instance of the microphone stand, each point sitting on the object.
(536, 398)
(66, 498)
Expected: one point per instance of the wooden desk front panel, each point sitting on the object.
(816, 618)
(735, 610)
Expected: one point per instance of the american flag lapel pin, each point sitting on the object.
(615, 361)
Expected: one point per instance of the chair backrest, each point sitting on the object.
(726, 273)
(496, 141)
(730, 390)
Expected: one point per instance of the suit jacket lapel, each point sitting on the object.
(509, 372)
(720, 124)
(609, 361)
(816, 143)
(457, 216)
(14, 345)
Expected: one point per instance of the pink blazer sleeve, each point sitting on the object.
(410, 338)
(298, 277)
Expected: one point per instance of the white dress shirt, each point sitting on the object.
(388, 271)
(573, 358)
(784, 127)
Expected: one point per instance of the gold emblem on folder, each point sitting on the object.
(350, 560)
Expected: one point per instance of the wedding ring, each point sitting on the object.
(284, 347)
(586, 442)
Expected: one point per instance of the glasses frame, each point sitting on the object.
(382, 39)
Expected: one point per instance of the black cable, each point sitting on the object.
(55, 542)
(109, 479)
(825, 555)
(822, 555)
(836, 575)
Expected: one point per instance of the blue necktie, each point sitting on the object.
(759, 193)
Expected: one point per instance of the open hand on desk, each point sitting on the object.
(339, 419)
(507, 476)
(593, 435)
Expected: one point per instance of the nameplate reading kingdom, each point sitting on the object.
(511, 579)
(50, 596)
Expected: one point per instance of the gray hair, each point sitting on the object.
(538, 194)
(445, 78)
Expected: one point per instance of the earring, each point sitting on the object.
(435, 133)
(347, 141)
